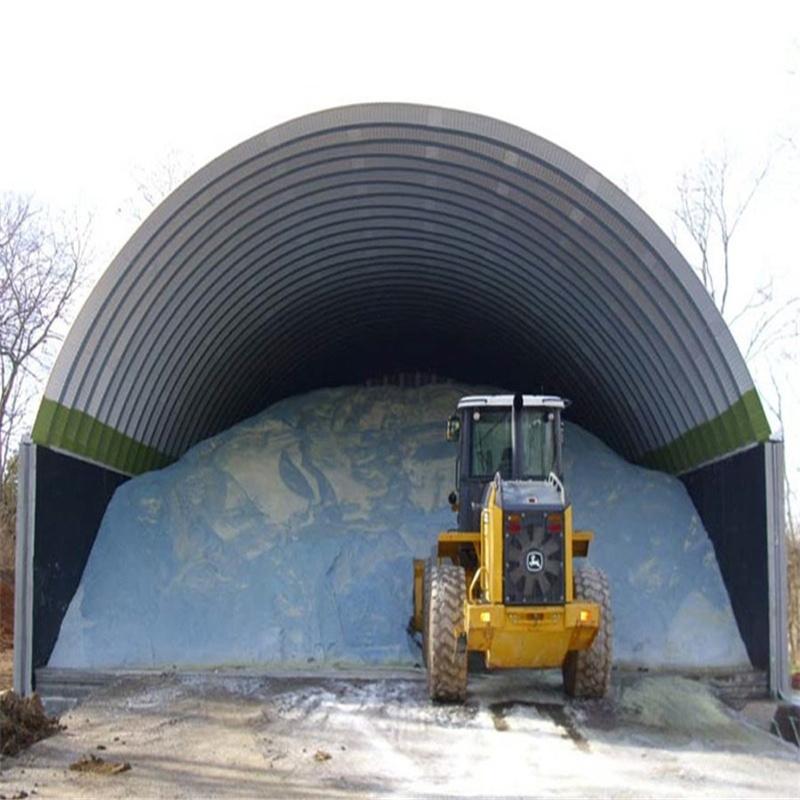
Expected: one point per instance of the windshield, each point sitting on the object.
(491, 450)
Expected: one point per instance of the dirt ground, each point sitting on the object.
(245, 734)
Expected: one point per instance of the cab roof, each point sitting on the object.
(507, 401)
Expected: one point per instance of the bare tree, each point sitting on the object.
(154, 183)
(41, 265)
(793, 581)
(710, 214)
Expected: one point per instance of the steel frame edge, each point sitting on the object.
(779, 678)
(23, 583)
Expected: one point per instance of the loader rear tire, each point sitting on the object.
(447, 651)
(587, 673)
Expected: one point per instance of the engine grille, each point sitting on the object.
(533, 561)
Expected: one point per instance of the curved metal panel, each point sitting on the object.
(369, 239)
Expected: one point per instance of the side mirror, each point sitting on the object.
(453, 429)
(452, 498)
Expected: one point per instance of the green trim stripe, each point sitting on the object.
(743, 423)
(79, 433)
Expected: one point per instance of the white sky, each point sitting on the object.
(93, 90)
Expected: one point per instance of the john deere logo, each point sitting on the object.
(534, 561)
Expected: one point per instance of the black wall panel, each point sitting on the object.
(730, 497)
(71, 499)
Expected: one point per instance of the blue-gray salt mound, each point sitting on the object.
(289, 539)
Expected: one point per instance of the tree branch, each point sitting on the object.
(41, 266)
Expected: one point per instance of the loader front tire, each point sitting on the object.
(447, 651)
(587, 673)
(426, 605)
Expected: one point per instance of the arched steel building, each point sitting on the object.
(386, 238)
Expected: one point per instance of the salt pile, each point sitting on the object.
(289, 539)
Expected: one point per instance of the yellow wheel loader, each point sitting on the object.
(504, 583)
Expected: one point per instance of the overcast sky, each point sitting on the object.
(640, 91)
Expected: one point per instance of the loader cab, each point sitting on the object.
(518, 436)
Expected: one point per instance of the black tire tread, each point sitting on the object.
(447, 668)
(587, 673)
(426, 602)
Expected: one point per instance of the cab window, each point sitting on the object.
(490, 450)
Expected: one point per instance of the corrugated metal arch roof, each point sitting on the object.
(380, 238)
